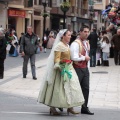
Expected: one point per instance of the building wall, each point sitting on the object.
(3, 16)
(99, 6)
(33, 14)
(20, 23)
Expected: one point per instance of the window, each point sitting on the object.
(40, 2)
(98, 1)
(35, 2)
(30, 3)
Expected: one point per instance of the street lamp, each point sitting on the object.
(65, 7)
(44, 2)
(91, 11)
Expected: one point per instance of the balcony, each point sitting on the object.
(16, 4)
(99, 5)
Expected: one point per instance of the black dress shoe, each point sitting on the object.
(86, 111)
(34, 78)
(24, 76)
(1, 77)
(61, 109)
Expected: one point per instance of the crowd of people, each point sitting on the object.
(104, 45)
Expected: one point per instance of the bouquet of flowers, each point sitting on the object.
(66, 69)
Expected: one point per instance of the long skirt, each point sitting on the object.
(50, 43)
(60, 93)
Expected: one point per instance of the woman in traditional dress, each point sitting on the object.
(60, 87)
(50, 40)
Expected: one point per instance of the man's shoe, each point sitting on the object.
(1, 77)
(24, 76)
(86, 111)
(61, 109)
(34, 78)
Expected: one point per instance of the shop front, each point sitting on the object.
(18, 20)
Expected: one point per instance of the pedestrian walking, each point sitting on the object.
(93, 38)
(105, 45)
(116, 46)
(14, 46)
(45, 41)
(80, 56)
(61, 88)
(28, 48)
(98, 52)
(2, 52)
(51, 40)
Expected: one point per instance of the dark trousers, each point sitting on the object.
(117, 56)
(1, 68)
(111, 52)
(32, 62)
(93, 57)
(83, 75)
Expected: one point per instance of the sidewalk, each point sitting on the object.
(104, 86)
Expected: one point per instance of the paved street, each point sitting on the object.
(18, 96)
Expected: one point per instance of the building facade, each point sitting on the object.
(30, 12)
(76, 16)
(99, 5)
(3, 13)
(17, 14)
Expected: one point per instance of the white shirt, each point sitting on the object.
(74, 51)
(15, 38)
(45, 38)
(105, 47)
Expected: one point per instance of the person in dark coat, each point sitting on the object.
(2, 52)
(93, 39)
(28, 48)
(20, 38)
(116, 47)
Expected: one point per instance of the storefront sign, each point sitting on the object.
(18, 13)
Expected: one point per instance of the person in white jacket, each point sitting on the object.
(105, 45)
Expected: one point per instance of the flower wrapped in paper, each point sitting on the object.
(66, 69)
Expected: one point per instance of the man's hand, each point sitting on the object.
(87, 58)
(22, 54)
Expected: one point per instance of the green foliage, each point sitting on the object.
(65, 4)
(45, 14)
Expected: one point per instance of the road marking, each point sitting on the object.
(14, 112)
(29, 113)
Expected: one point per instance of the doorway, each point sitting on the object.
(12, 23)
(26, 24)
(37, 27)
